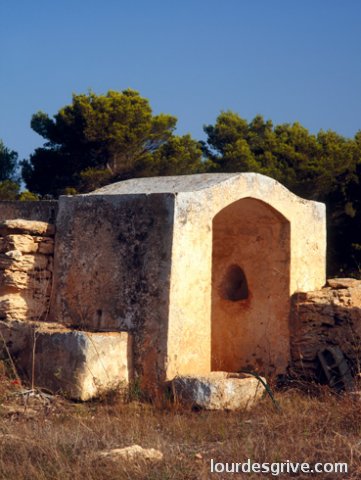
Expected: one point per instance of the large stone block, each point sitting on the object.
(218, 390)
(80, 365)
(111, 271)
(15, 338)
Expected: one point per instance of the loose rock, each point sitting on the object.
(218, 391)
(80, 365)
(133, 453)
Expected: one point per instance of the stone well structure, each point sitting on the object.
(155, 278)
(199, 269)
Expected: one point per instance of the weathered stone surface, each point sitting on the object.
(23, 243)
(22, 226)
(16, 336)
(39, 280)
(218, 391)
(23, 262)
(83, 365)
(44, 211)
(327, 317)
(134, 453)
(45, 245)
(342, 282)
(14, 254)
(80, 365)
(27, 244)
(251, 248)
(23, 296)
(112, 268)
(152, 255)
(31, 305)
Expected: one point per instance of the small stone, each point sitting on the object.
(133, 453)
(14, 254)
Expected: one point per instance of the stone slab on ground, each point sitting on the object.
(80, 365)
(218, 390)
(132, 453)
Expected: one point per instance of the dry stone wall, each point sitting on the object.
(26, 265)
(77, 364)
(330, 317)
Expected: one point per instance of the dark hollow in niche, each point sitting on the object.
(234, 285)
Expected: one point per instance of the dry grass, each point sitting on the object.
(60, 442)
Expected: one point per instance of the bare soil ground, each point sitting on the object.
(59, 440)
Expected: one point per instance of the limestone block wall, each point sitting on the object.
(112, 269)
(26, 265)
(330, 316)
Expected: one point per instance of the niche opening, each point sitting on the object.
(234, 285)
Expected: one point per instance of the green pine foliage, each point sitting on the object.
(9, 182)
(100, 139)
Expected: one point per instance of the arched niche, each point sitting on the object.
(250, 288)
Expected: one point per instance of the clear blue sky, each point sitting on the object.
(288, 60)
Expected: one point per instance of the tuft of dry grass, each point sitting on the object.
(60, 441)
